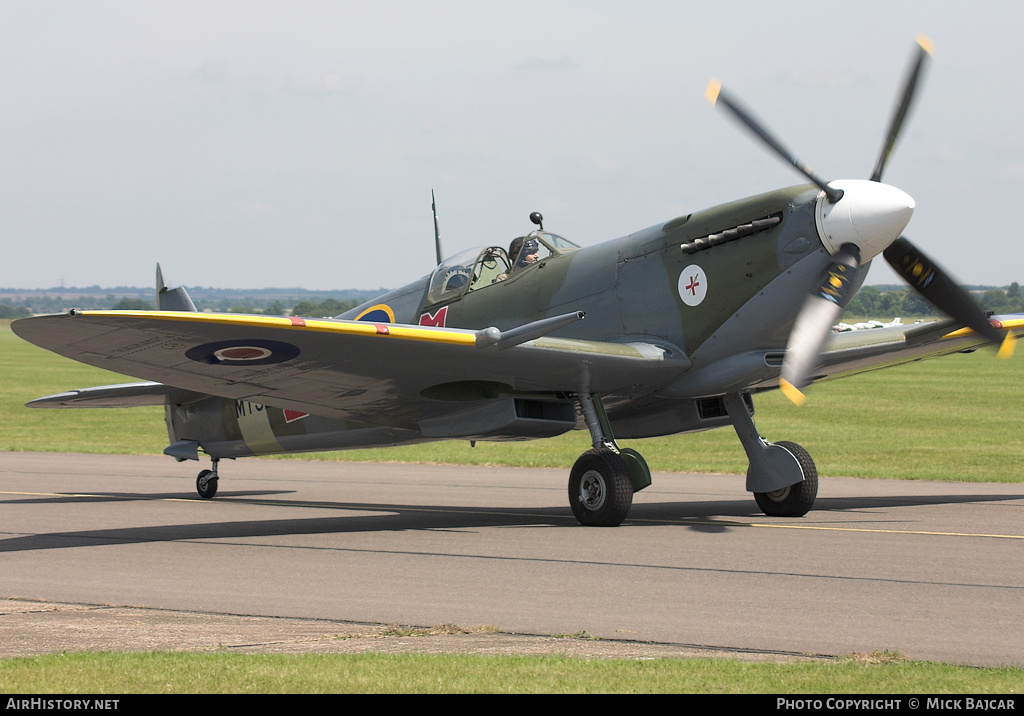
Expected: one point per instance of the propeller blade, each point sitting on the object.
(939, 289)
(716, 95)
(924, 51)
(814, 323)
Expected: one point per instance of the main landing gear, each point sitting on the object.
(206, 481)
(603, 480)
(782, 475)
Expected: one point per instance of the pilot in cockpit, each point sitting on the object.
(522, 251)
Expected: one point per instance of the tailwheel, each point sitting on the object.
(792, 500)
(600, 489)
(206, 484)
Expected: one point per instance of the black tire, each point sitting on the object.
(206, 484)
(793, 500)
(600, 491)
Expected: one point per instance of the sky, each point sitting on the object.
(256, 144)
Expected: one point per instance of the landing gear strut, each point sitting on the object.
(782, 475)
(206, 481)
(603, 480)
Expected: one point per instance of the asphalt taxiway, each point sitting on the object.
(100, 551)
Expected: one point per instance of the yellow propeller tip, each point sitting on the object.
(925, 44)
(792, 392)
(711, 93)
(1006, 349)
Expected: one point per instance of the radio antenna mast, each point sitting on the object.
(437, 230)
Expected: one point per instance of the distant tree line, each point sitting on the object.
(871, 302)
(9, 311)
(1009, 301)
(55, 304)
(329, 307)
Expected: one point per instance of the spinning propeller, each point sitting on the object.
(857, 220)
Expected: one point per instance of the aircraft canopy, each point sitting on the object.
(478, 267)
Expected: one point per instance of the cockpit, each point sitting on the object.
(473, 269)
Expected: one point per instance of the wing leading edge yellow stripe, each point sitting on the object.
(361, 328)
(1012, 326)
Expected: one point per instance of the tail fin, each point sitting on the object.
(171, 299)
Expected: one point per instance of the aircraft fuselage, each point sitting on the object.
(718, 288)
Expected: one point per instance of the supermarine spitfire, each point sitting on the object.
(669, 330)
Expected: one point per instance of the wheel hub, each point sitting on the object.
(592, 490)
(780, 494)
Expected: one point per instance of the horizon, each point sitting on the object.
(369, 291)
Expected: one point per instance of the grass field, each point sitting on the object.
(180, 673)
(956, 418)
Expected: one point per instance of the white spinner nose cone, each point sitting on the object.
(870, 215)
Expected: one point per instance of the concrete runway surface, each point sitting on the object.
(100, 551)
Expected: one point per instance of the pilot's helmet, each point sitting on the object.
(520, 248)
(529, 247)
(517, 243)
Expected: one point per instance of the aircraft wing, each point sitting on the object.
(858, 351)
(341, 369)
(122, 395)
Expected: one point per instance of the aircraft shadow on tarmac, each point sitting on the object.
(697, 515)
